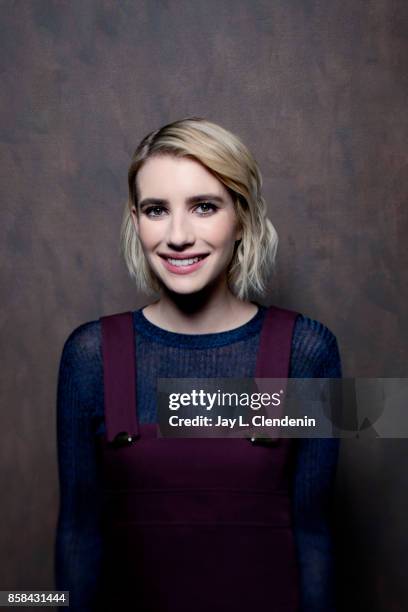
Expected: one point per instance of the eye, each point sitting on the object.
(209, 208)
(153, 211)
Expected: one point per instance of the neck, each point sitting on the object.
(205, 311)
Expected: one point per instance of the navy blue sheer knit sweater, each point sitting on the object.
(161, 353)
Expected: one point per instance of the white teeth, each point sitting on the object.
(183, 262)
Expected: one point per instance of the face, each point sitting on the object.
(186, 223)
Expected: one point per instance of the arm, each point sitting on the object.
(315, 469)
(78, 538)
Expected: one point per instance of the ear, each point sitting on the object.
(239, 233)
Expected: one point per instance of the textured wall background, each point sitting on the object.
(318, 90)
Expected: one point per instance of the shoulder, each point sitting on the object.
(84, 341)
(315, 349)
(81, 358)
(310, 331)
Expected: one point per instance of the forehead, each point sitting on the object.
(163, 175)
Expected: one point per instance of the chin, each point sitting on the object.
(186, 290)
(185, 287)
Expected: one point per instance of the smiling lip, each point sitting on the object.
(183, 269)
(182, 256)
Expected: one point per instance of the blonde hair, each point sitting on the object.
(229, 160)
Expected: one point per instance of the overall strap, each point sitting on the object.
(119, 377)
(273, 360)
(275, 343)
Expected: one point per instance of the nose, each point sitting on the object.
(180, 230)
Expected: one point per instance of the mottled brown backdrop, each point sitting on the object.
(318, 90)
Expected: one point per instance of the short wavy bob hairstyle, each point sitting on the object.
(229, 160)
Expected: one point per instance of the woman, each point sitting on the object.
(163, 524)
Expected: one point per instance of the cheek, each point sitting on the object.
(223, 233)
(149, 233)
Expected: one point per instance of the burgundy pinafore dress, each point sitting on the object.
(193, 524)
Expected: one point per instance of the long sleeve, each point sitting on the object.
(78, 539)
(315, 470)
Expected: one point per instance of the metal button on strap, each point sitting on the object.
(264, 441)
(123, 438)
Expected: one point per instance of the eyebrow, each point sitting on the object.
(190, 200)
